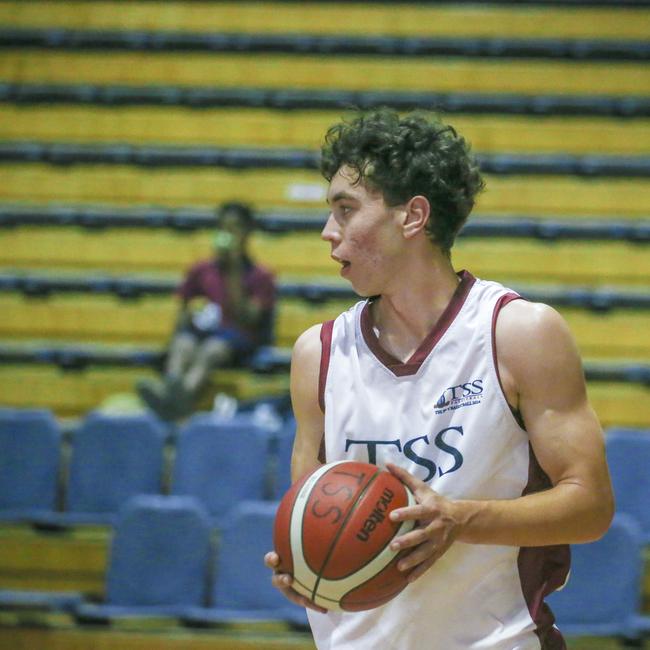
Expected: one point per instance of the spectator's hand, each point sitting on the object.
(282, 581)
(223, 241)
(435, 530)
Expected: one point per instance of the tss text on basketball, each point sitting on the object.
(332, 533)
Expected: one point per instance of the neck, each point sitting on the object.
(403, 317)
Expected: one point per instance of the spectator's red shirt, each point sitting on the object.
(206, 280)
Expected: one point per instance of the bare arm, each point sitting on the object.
(305, 370)
(542, 376)
(540, 361)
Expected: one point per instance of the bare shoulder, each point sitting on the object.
(304, 387)
(535, 345)
(307, 348)
(305, 366)
(521, 322)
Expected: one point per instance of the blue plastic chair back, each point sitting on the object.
(159, 554)
(221, 462)
(284, 449)
(241, 580)
(602, 595)
(30, 448)
(113, 459)
(628, 456)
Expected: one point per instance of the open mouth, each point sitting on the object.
(344, 263)
(345, 267)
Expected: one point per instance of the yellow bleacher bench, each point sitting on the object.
(304, 255)
(232, 127)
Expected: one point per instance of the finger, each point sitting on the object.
(310, 604)
(422, 554)
(417, 511)
(408, 540)
(420, 570)
(272, 560)
(302, 601)
(414, 484)
(283, 582)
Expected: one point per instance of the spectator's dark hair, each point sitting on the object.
(243, 212)
(403, 157)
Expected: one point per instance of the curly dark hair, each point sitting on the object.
(402, 157)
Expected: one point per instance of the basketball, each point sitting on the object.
(332, 534)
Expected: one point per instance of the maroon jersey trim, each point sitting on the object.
(542, 570)
(412, 365)
(500, 304)
(326, 349)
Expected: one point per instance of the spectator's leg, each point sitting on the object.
(160, 396)
(182, 393)
(182, 350)
(211, 353)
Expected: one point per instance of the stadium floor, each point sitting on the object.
(32, 638)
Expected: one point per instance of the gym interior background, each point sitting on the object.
(124, 123)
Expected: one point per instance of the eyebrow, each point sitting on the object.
(340, 196)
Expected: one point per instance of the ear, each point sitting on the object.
(416, 215)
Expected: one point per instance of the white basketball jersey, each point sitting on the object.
(442, 416)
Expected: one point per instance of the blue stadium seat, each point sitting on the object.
(221, 462)
(30, 450)
(603, 594)
(242, 588)
(41, 601)
(113, 459)
(283, 451)
(628, 456)
(158, 560)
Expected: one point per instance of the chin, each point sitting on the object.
(364, 292)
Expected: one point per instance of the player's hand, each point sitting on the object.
(282, 581)
(435, 530)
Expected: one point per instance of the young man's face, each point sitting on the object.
(363, 233)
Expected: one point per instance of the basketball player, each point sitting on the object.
(471, 396)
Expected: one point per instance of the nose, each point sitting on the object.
(331, 232)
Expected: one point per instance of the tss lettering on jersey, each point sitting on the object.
(450, 460)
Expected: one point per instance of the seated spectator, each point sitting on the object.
(226, 313)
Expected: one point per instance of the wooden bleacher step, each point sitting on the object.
(78, 319)
(174, 187)
(305, 72)
(478, 19)
(304, 255)
(227, 127)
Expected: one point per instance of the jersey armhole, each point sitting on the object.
(326, 347)
(500, 304)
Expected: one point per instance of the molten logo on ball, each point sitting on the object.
(332, 533)
(377, 515)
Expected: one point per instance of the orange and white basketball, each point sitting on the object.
(332, 533)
